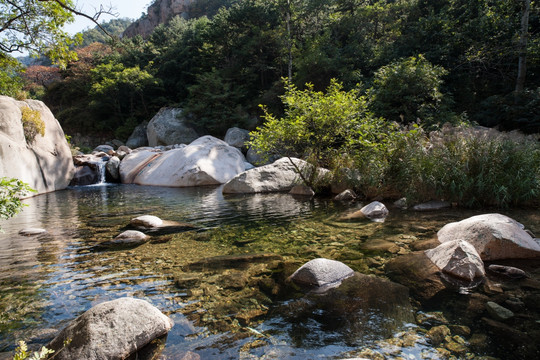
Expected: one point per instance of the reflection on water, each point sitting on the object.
(46, 281)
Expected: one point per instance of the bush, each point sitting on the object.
(32, 124)
(10, 192)
(409, 91)
(469, 166)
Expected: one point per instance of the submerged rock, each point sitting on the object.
(494, 236)
(127, 238)
(498, 312)
(432, 206)
(507, 271)
(302, 190)
(32, 232)
(417, 272)
(458, 258)
(321, 273)
(111, 330)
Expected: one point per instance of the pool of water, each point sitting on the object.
(48, 280)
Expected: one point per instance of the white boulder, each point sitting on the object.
(375, 211)
(44, 163)
(494, 236)
(206, 161)
(279, 176)
(111, 330)
(457, 258)
(147, 221)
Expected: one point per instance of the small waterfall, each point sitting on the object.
(101, 172)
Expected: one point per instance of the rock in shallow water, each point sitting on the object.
(321, 273)
(458, 258)
(111, 330)
(32, 232)
(127, 238)
(147, 221)
(494, 236)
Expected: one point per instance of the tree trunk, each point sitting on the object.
(524, 32)
(289, 41)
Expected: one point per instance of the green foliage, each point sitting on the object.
(469, 166)
(36, 26)
(512, 111)
(10, 192)
(32, 124)
(114, 27)
(10, 80)
(21, 353)
(321, 126)
(409, 91)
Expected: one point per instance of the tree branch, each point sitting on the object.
(94, 18)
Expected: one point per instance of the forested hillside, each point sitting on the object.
(426, 61)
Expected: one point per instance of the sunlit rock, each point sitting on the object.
(346, 195)
(111, 330)
(280, 176)
(494, 236)
(147, 221)
(128, 238)
(206, 161)
(375, 211)
(113, 168)
(321, 273)
(45, 162)
(458, 258)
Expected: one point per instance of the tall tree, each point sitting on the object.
(524, 34)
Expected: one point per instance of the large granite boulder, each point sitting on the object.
(280, 176)
(494, 236)
(44, 163)
(321, 273)
(206, 161)
(138, 137)
(237, 137)
(168, 127)
(458, 258)
(111, 330)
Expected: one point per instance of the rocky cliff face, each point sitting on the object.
(161, 11)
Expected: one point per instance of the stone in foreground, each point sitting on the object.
(147, 221)
(494, 236)
(111, 330)
(319, 273)
(458, 258)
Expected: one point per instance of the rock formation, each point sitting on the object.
(45, 162)
(160, 12)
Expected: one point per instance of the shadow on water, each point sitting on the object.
(206, 271)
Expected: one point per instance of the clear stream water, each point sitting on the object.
(46, 281)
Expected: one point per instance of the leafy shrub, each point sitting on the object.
(21, 353)
(10, 192)
(408, 91)
(32, 123)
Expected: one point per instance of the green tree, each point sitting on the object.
(10, 80)
(408, 91)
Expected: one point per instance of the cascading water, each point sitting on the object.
(101, 172)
